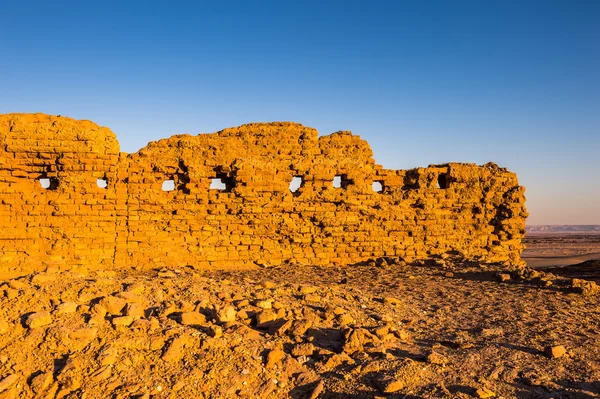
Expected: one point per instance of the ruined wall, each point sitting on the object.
(474, 211)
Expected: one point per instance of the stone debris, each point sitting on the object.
(192, 318)
(554, 352)
(122, 321)
(11, 293)
(43, 278)
(39, 319)
(66, 307)
(584, 287)
(84, 334)
(484, 393)
(4, 327)
(174, 350)
(307, 290)
(113, 305)
(97, 315)
(102, 373)
(130, 297)
(17, 285)
(319, 387)
(266, 304)
(215, 331)
(392, 301)
(312, 298)
(135, 310)
(356, 339)
(8, 381)
(407, 375)
(345, 319)
(108, 355)
(42, 381)
(274, 358)
(304, 349)
(390, 384)
(226, 315)
(265, 318)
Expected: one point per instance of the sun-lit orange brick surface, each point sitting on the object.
(474, 211)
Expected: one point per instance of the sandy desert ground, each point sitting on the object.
(437, 329)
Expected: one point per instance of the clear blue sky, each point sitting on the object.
(514, 82)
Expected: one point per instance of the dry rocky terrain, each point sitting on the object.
(384, 329)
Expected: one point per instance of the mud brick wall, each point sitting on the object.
(253, 218)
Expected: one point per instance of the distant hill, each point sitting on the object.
(576, 228)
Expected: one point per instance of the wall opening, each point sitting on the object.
(442, 181)
(296, 183)
(217, 183)
(337, 182)
(48, 183)
(168, 185)
(44, 182)
(175, 183)
(341, 181)
(377, 186)
(221, 182)
(102, 183)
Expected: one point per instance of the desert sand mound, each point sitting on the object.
(378, 330)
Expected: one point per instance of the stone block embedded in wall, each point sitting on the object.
(258, 194)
